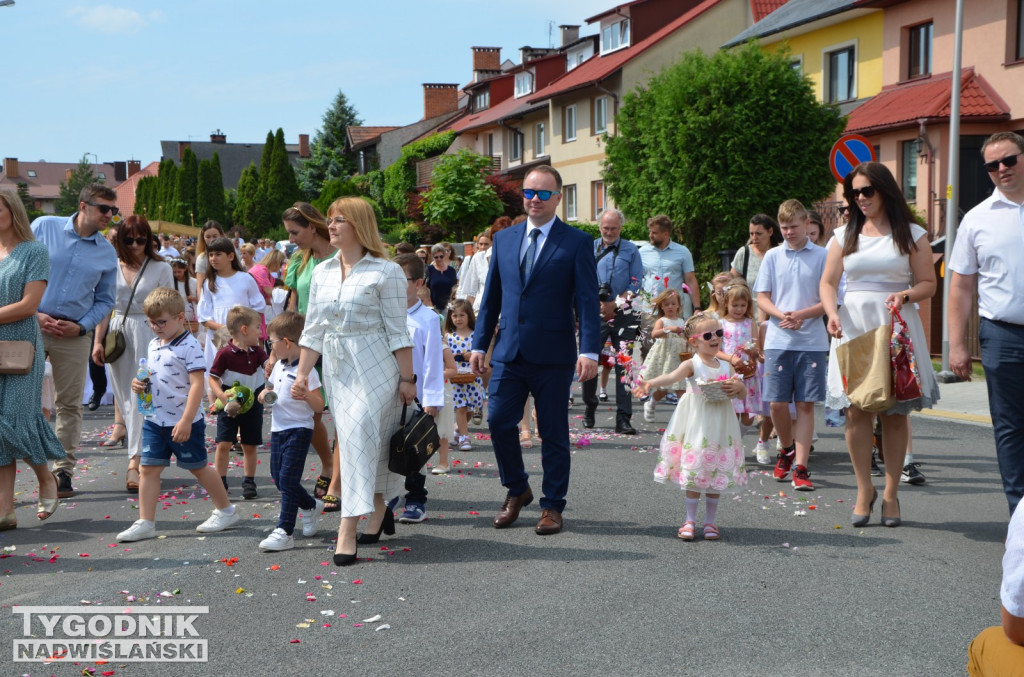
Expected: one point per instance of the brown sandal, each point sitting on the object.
(131, 485)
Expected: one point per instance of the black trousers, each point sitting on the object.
(622, 328)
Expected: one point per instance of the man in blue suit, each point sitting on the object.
(542, 279)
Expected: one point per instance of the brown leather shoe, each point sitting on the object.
(509, 512)
(550, 522)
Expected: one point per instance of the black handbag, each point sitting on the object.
(414, 443)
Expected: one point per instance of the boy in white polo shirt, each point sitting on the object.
(795, 344)
(291, 432)
(176, 426)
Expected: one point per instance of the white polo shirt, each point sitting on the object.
(288, 412)
(988, 243)
(170, 365)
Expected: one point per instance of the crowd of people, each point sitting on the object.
(360, 332)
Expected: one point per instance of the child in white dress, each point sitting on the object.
(701, 450)
(669, 341)
(741, 346)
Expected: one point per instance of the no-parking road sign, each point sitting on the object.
(848, 152)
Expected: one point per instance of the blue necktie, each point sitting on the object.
(526, 267)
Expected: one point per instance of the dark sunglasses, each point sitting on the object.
(104, 208)
(1008, 161)
(708, 334)
(544, 195)
(866, 191)
(135, 240)
(843, 210)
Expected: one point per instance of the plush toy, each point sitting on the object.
(240, 400)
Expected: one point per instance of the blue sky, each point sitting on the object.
(116, 79)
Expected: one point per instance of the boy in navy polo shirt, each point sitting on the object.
(176, 426)
(291, 432)
(241, 361)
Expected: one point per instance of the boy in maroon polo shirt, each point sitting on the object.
(240, 361)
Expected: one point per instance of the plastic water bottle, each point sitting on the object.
(146, 396)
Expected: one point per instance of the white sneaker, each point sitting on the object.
(465, 444)
(219, 521)
(311, 519)
(277, 540)
(140, 531)
(649, 407)
(761, 452)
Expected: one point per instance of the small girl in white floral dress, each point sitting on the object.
(458, 334)
(701, 450)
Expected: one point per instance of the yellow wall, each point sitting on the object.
(865, 30)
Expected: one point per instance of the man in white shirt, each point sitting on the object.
(986, 256)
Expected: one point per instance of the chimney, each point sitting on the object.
(303, 145)
(486, 59)
(218, 137)
(67, 174)
(134, 167)
(182, 145)
(439, 99)
(120, 170)
(11, 167)
(570, 34)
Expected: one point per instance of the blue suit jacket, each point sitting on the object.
(538, 320)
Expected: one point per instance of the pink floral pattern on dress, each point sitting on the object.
(736, 334)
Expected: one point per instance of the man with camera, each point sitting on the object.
(619, 272)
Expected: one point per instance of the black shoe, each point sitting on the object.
(588, 418)
(342, 560)
(64, 489)
(249, 489)
(94, 402)
(624, 428)
(387, 526)
(911, 475)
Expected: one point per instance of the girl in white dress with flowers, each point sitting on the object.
(701, 450)
(669, 341)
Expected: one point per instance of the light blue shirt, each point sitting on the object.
(622, 269)
(82, 272)
(671, 263)
(792, 277)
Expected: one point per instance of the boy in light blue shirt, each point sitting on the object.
(796, 344)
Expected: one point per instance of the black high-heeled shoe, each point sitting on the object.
(861, 520)
(387, 526)
(343, 560)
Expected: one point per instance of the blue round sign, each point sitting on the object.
(848, 152)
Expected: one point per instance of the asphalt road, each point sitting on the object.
(790, 588)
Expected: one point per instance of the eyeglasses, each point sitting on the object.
(158, 324)
(708, 334)
(866, 191)
(1008, 161)
(438, 256)
(104, 208)
(141, 241)
(337, 219)
(544, 195)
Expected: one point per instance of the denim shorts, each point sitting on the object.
(794, 376)
(158, 447)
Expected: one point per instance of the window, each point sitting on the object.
(31, 173)
(919, 51)
(490, 144)
(524, 83)
(517, 145)
(569, 195)
(600, 114)
(909, 173)
(101, 176)
(482, 100)
(615, 36)
(569, 124)
(540, 142)
(842, 67)
(1019, 51)
(600, 198)
(797, 65)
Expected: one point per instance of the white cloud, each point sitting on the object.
(113, 20)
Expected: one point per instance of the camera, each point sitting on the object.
(604, 292)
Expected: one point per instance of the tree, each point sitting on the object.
(279, 186)
(251, 212)
(460, 198)
(167, 177)
(185, 189)
(28, 202)
(70, 190)
(713, 140)
(210, 192)
(327, 160)
(146, 195)
(268, 152)
(400, 177)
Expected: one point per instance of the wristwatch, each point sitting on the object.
(906, 298)
(81, 329)
(402, 379)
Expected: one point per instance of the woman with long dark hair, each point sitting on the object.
(888, 266)
(210, 231)
(135, 246)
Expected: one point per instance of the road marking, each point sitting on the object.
(955, 415)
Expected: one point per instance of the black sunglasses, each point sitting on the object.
(843, 209)
(135, 240)
(104, 208)
(708, 334)
(866, 191)
(1008, 161)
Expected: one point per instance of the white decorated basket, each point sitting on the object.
(712, 391)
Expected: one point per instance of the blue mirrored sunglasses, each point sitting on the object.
(544, 195)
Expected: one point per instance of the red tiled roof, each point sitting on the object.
(126, 189)
(360, 135)
(597, 68)
(45, 185)
(511, 107)
(904, 104)
(762, 8)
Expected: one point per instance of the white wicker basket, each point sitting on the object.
(712, 391)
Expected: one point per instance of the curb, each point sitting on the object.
(979, 419)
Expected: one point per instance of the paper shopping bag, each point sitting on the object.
(866, 367)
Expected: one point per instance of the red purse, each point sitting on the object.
(906, 381)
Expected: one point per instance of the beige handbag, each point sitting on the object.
(16, 357)
(866, 367)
